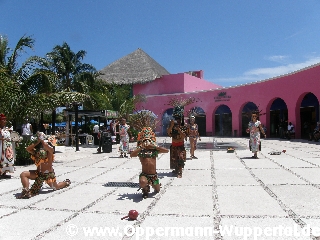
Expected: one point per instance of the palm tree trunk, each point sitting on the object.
(53, 129)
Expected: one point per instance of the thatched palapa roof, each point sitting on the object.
(136, 67)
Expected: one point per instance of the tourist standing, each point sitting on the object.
(95, 132)
(26, 130)
(6, 149)
(193, 135)
(254, 128)
(124, 138)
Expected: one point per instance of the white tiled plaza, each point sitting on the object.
(273, 197)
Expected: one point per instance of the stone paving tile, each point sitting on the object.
(277, 176)
(314, 225)
(112, 227)
(84, 174)
(194, 178)
(27, 224)
(218, 188)
(202, 162)
(122, 200)
(9, 185)
(260, 163)
(115, 175)
(247, 200)
(221, 163)
(9, 199)
(179, 227)
(75, 198)
(310, 174)
(302, 199)
(6, 211)
(293, 163)
(81, 162)
(109, 162)
(313, 160)
(182, 199)
(262, 227)
(234, 177)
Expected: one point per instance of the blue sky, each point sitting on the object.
(232, 41)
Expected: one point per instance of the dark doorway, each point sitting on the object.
(309, 114)
(246, 116)
(278, 112)
(200, 116)
(166, 117)
(223, 121)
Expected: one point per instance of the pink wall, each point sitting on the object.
(193, 84)
(291, 88)
(173, 83)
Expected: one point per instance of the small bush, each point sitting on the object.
(22, 156)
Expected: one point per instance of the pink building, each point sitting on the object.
(293, 97)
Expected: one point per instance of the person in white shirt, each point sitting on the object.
(96, 128)
(95, 134)
(26, 130)
(290, 127)
(290, 130)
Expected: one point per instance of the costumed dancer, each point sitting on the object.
(193, 135)
(178, 133)
(254, 128)
(43, 157)
(6, 149)
(147, 150)
(124, 138)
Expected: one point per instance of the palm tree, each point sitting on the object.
(72, 73)
(13, 99)
(75, 77)
(30, 88)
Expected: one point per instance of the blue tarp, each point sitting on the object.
(63, 124)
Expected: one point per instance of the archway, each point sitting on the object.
(309, 114)
(246, 116)
(223, 121)
(166, 117)
(200, 119)
(278, 113)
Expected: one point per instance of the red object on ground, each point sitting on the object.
(284, 151)
(132, 215)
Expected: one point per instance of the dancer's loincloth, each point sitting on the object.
(175, 151)
(152, 178)
(48, 177)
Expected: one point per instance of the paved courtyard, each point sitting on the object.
(220, 196)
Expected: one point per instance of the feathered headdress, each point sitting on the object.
(192, 113)
(143, 118)
(179, 104)
(145, 121)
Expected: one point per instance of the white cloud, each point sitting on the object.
(277, 58)
(294, 34)
(258, 74)
(263, 73)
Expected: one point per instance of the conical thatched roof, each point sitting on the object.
(136, 67)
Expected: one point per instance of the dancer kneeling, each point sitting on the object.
(147, 151)
(43, 157)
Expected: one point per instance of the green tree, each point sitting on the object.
(31, 88)
(75, 76)
(121, 99)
